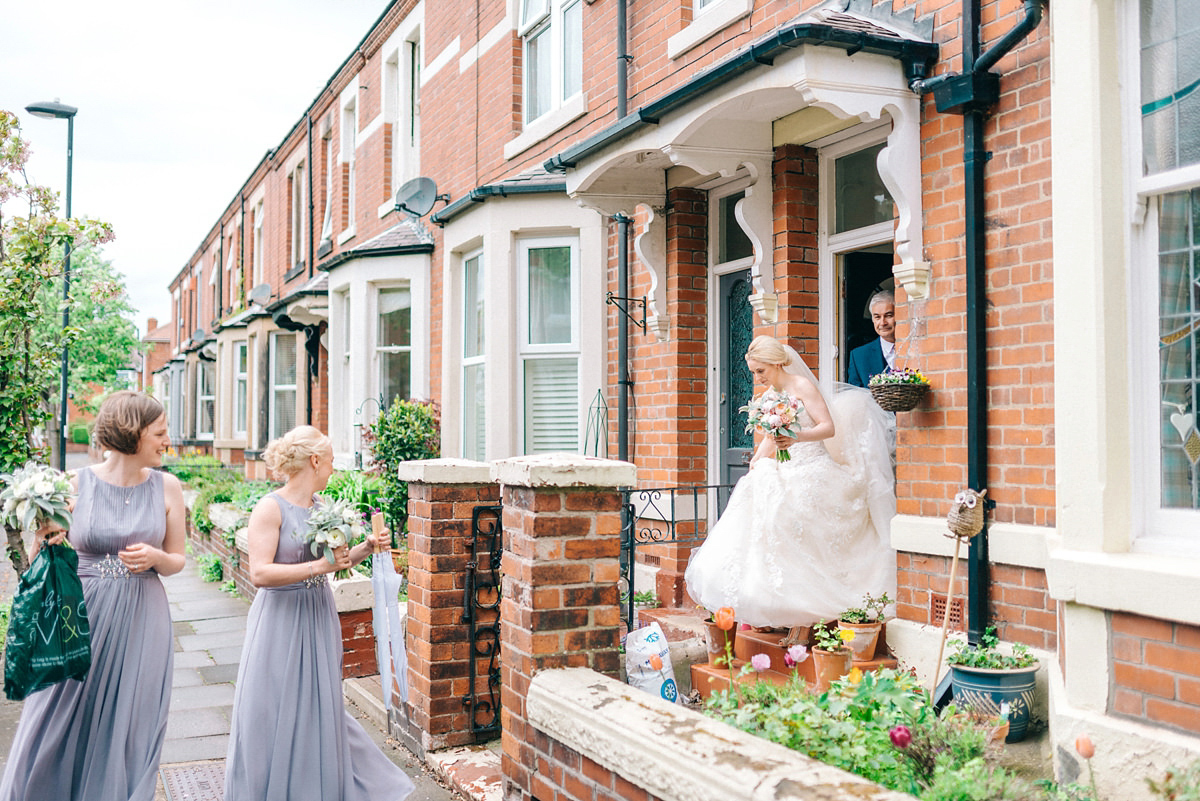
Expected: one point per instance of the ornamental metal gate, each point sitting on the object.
(663, 516)
(481, 613)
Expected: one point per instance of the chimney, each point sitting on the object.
(151, 324)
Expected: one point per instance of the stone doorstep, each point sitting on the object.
(473, 770)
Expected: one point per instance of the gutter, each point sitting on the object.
(481, 193)
(918, 58)
(351, 255)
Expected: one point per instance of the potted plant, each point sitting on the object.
(865, 621)
(898, 390)
(720, 631)
(832, 657)
(995, 683)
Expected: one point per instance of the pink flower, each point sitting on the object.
(795, 655)
(901, 736)
(760, 662)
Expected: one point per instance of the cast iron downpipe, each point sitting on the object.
(972, 94)
(311, 331)
(624, 384)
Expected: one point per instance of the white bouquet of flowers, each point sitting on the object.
(33, 496)
(333, 524)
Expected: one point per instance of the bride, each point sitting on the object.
(804, 539)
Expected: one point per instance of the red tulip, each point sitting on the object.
(724, 618)
(901, 736)
(1084, 747)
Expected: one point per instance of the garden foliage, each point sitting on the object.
(406, 431)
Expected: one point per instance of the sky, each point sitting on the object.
(178, 101)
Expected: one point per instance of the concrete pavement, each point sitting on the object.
(210, 626)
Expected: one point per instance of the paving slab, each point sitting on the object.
(202, 696)
(217, 674)
(192, 659)
(190, 749)
(186, 677)
(203, 722)
(231, 625)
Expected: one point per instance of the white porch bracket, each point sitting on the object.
(650, 246)
(754, 212)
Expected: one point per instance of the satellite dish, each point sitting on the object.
(198, 334)
(418, 196)
(260, 294)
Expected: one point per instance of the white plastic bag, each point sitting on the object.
(648, 662)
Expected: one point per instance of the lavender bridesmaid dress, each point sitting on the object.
(291, 737)
(100, 739)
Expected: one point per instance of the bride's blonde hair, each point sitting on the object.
(768, 350)
(286, 456)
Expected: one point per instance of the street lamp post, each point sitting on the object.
(60, 111)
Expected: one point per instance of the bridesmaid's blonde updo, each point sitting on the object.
(122, 418)
(768, 350)
(286, 456)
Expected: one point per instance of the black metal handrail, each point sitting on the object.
(660, 515)
(481, 593)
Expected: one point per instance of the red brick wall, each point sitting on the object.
(1019, 605)
(1156, 671)
(563, 774)
(795, 203)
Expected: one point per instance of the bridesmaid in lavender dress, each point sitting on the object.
(291, 736)
(100, 739)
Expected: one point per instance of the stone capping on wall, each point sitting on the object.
(676, 753)
(445, 471)
(563, 470)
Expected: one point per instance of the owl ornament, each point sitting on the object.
(966, 514)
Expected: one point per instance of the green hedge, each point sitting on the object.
(406, 431)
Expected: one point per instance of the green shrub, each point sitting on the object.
(210, 567)
(5, 609)
(1179, 784)
(79, 434)
(404, 432)
(216, 492)
(230, 587)
(249, 493)
(197, 470)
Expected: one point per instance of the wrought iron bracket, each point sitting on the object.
(615, 300)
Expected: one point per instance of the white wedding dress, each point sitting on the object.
(802, 540)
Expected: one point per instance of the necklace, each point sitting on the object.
(129, 494)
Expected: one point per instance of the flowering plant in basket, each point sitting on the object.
(331, 525)
(33, 496)
(774, 413)
(904, 375)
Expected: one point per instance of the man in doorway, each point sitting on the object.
(878, 354)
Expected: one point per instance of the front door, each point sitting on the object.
(736, 385)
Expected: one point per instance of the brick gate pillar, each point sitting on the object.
(442, 496)
(559, 604)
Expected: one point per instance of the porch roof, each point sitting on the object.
(826, 27)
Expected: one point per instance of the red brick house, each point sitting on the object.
(735, 167)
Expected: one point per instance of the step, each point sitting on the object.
(677, 624)
(708, 678)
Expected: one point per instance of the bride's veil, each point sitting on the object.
(864, 442)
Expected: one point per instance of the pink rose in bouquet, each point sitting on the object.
(774, 413)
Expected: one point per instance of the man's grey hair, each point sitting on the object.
(882, 296)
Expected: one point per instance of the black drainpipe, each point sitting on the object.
(972, 94)
(624, 384)
(310, 332)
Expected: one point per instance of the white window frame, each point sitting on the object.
(707, 19)
(548, 19)
(528, 352)
(1157, 530)
(378, 349)
(241, 387)
(330, 164)
(402, 108)
(206, 392)
(298, 227)
(276, 336)
(477, 360)
(349, 158)
(258, 257)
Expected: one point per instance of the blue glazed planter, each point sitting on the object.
(984, 689)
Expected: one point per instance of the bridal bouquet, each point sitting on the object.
(774, 413)
(331, 525)
(33, 496)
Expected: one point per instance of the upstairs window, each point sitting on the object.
(256, 248)
(298, 218)
(552, 48)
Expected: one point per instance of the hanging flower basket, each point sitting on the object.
(898, 390)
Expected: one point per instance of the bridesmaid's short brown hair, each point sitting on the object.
(122, 418)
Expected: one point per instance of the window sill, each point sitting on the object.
(1154, 586)
(546, 124)
(345, 236)
(716, 17)
(1008, 543)
(292, 273)
(386, 209)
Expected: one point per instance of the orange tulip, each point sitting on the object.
(1084, 747)
(724, 618)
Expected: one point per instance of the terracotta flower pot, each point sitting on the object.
(830, 666)
(715, 638)
(866, 636)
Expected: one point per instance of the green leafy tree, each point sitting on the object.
(105, 335)
(33, 239)
(406, 431)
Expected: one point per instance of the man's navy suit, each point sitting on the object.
(865, 361)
